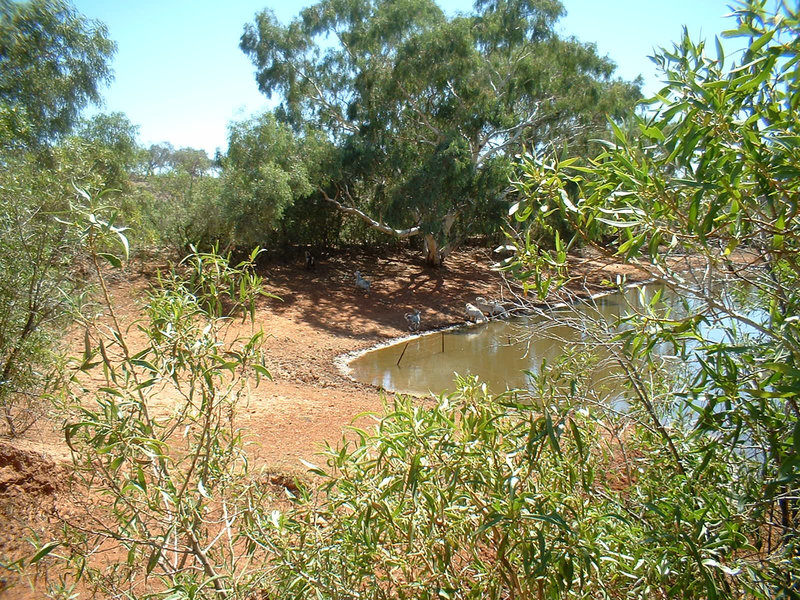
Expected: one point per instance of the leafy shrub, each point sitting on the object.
(173, 487)
(503, 497)
(704, 199)
(177, 210)
(39, 273)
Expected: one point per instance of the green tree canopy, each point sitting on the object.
(52, 64)
(268, 167)
(427, 110)
(109, 142)
(156, 158)
(190, 160)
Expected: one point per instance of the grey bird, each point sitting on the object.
(413, 320)
(362, 283)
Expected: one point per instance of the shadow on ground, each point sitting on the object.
(327, 296)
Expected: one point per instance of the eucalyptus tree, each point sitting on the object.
(191, 161)
(426, 110)
(156, 158)
(53, 62)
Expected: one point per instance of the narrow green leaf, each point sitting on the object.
(114, 261)
(44, 551)
(578, 439)
(153, 560)
(124, 241)
(145, 365)
(760, 42)
(652, 132)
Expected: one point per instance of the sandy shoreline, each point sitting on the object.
(321, 322)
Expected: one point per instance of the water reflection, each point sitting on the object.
(501, 351)
(498, 352)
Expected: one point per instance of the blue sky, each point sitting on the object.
(180, 76)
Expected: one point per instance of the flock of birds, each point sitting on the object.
(481, 311)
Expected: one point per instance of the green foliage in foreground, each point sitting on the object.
(525, 495)
(52, 63)
(40, 272)
(496, 497)
(471, 496)
(171, 488)
(705, 199)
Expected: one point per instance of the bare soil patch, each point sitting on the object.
(320, 315)
(30, 486)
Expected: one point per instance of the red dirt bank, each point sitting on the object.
(321, 315)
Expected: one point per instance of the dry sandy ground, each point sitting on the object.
(320, 316)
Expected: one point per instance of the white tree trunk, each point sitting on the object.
(433, 252)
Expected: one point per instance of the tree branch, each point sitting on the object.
(508, 136)
(420, 113)
(382, 227)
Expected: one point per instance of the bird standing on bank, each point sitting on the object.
(413, 319)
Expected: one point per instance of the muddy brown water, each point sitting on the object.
(507, 354)
(499, 352)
